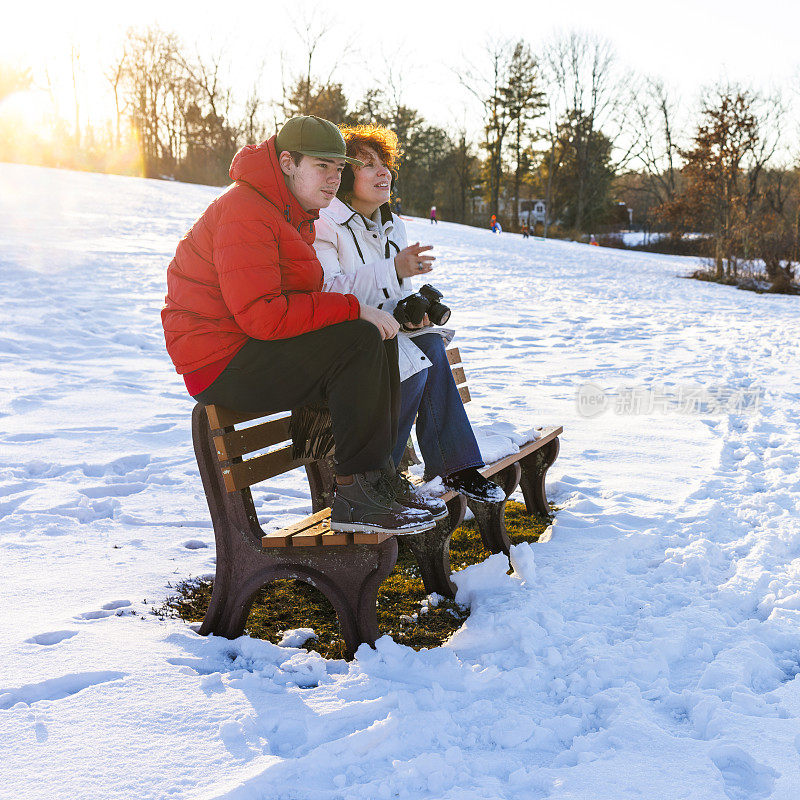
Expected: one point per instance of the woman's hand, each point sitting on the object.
(411, 261)
(383, 321)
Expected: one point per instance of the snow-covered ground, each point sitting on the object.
(650, 650)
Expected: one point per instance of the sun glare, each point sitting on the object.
(29, 108)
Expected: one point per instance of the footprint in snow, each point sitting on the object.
(55, 688)
(51, 637)
(115, 604)
(194, 544)
(159, 427)
(27, 437)
(10, 506)
(744, 777)
(119, 466)
(92, 615)
(16, 488)
(115, 607)
(113, 490)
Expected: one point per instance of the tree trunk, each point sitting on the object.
(549, 191)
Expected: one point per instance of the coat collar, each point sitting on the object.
(343, 214)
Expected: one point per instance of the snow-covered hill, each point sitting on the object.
(650, 650)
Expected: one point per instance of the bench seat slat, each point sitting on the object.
(458, 376)
(371, 538)
(275, 539)
(316, 530)
(310, 537)
(546, 435)
(331, 538)
(282, 538)
(463, 391)
(254, 470)
(238, 443)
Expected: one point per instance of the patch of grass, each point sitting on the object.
(286, 604)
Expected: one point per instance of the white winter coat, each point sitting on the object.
(357, 257)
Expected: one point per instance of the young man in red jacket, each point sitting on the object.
(248, 326)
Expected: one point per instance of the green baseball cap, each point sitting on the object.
(313, 136)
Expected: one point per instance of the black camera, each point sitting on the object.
(410, 310)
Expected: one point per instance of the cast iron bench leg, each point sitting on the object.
(431, 549)
(532, 482)
(348, 575)
(490, 517)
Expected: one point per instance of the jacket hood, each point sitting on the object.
(257, 165)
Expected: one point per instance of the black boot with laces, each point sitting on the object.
(474, 486)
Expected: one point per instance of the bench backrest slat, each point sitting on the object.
(454, 359)
(221, 417)
(238, 443)
(254, 470)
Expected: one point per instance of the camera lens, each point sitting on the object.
(438, 313)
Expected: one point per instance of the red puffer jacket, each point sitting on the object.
(247, 269)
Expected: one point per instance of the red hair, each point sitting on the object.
(380, 139)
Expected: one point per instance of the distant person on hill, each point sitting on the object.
(248, 327)
(593, 241)
(525, 232)
(363, 250)
(433, 215)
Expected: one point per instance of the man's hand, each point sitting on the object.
(411, 261)
(384, 322)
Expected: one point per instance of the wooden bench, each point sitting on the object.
(348, 568)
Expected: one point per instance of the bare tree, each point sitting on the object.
(465, 170)
(307, 92)
(253, 129)
(310, 29)
(487, 84)
(583, 73)
(523, 99)
(114, 75)
(655, 112)
(550, 135)
(154, 91)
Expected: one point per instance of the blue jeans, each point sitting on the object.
(445, 437)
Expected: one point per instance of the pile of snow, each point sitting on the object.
(650, 649)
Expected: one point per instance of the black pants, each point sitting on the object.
(348, 366)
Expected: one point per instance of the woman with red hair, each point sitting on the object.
(364, 251)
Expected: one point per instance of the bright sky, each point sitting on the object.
(689, 43)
